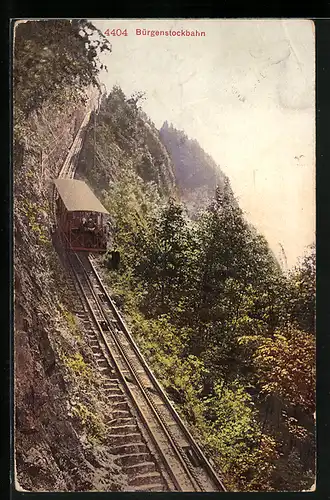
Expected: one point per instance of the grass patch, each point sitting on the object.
(78, 367)
(71, 322)
(94, 426)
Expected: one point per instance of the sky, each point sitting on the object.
(245, 91)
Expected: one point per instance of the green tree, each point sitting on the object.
(54, 60)
(285, 364)
(222, 269)
(166, 257)
(235, 439)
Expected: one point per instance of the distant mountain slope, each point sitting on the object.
(196, 173)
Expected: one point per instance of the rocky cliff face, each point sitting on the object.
(60, 407)
(123, 140)
(196, 174)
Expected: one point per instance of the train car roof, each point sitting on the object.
(78, 197)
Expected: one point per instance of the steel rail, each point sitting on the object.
(168, 467)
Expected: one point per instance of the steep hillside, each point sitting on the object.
(196, 173)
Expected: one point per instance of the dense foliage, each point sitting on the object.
(54, 60)
(121, 139)
(227, 333)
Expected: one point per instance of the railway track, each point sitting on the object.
(151, 442)
(145, 434)
(69, 166)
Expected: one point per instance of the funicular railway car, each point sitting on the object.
(81, 217)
